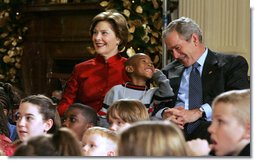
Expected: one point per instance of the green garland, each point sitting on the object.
(12, 30)
(145, 26)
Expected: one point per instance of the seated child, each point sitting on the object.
(37, 115)
(6, 147)
(230, 129)
(152, 138)
(99, 141)
(9, 100)
(79, 117)
(140, 70)
(124, 112)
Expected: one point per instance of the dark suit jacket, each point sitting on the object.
(221, 72)
(246, 151)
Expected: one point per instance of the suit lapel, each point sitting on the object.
(209, 69)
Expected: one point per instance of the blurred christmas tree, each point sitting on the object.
(145, 26)
(12, 30)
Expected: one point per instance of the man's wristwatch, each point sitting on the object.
(203, 111)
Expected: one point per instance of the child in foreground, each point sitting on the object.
(230, 129)
(37, 115)
(152, 138)
(99, 141)
(124, 112)
(62, 143)
(79, 117)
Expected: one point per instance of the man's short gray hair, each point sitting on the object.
(185, 27)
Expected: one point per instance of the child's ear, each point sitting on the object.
(48, 124)
(129, 69)
(89, 125)
(110, 153)
(247, 134)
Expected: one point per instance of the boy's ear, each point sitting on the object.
(129, 69)
(247, 134)
(89, 125)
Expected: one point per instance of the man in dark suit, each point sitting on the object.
(218, 73)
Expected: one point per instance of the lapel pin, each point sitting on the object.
(210, 72)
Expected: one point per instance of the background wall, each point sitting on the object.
(225, 24)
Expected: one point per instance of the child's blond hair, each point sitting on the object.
(129, 110)
(240, 101)
(152, 138)
(104, 132)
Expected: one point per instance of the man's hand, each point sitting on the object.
(188, 116)
(172, 114)
(181, 116)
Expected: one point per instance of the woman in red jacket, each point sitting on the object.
(90, 80)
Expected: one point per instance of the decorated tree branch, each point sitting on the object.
(12, 30)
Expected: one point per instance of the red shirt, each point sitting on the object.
(6, 145)
(90, 81)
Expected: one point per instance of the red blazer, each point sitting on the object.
(90, 80)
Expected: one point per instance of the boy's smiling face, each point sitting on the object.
(141, 67)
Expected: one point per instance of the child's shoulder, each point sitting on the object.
(118, 86)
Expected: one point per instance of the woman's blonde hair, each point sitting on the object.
(129, 110)
(152, 138)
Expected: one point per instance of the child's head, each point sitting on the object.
(139, 66)
(79, 118)
(99, 141)
(61, 143)
(9, 100)
(36, 115)
(66, 142)
(3, 123)
(124, 112)
(40, 145)
(230, 128)
(152, 138)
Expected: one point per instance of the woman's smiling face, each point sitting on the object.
(104, 39)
